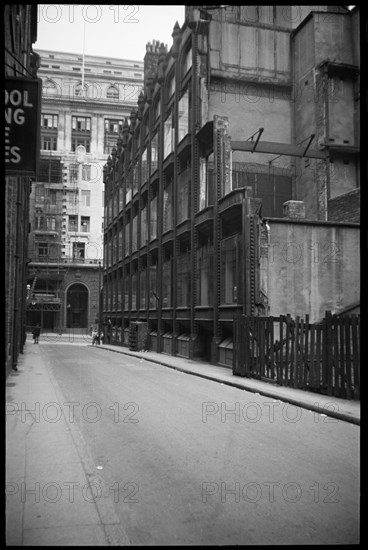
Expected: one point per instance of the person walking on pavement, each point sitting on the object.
(36, 333)
(94, 336)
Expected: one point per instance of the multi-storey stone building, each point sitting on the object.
(220, 196)
(20, 30)
(85, 100)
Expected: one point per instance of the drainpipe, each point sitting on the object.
(18, 279)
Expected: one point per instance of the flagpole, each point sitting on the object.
(84, 41)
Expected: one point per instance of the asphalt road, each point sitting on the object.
(189, 461)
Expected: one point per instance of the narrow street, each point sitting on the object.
(191, 461)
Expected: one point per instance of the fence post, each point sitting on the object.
(347, 322)
(355, 346)
(328, 348)
(306, 355)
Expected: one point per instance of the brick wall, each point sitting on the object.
(345, 208)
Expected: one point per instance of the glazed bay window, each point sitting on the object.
(153, 287)
(110, 210)
(183, 193)
(171, 87)
(127, 239)
(168, 206)
(128, 187)
(109, 253)
(231, 271)
(134, 290)
(157, 109)
(121, 198)
(144, 228)
(183, 280)
(121, 244)
(154, 153)
(142, 287)
(183, 117)
(135, 233)
(144, 167)
(135, 179)
(205, 274)
(85, 224)
(126, 288)
(206, 182)
(187, 62)
(168, 135)
(153, 225)
(167, 283)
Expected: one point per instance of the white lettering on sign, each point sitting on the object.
(15, 103)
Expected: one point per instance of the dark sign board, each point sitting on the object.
(22, 125)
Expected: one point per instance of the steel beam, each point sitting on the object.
(275, 148)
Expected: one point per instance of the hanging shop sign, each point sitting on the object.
(22, 125)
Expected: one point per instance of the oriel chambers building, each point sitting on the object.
(235, 187)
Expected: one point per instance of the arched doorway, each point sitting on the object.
(77, 306)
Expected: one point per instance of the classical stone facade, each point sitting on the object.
(85, 101)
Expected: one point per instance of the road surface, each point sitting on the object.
(187, 461)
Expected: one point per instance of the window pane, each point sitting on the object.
(86, 198)
(188, 61)
(183, 119)
(166, 283)
(144, 229)
(142, 287)
(205, 275)
(154, 153)
(168, 207)
(134, 291)
(153, 218)
(72, 225)
(183, 194)
(153, 287)
(183, 282)
(231, 290)
(135, 233)
(144, 167)
(85, 224)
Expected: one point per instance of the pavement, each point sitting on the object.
(43, 449)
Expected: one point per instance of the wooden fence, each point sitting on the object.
(322, 357)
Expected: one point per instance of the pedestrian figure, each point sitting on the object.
(101, 337)
(36, 333)
(94, 337)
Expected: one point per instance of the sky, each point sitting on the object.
(120, 31)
